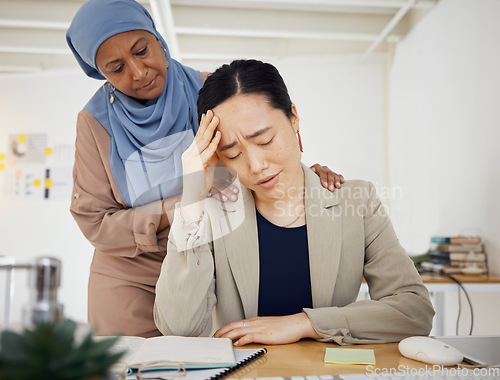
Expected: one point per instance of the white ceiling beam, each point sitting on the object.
(388, 28)
(161, 11)
(19, 69)
(218, 57)
(31, 24)
(311, 4)
(34, 50)
(285, 34)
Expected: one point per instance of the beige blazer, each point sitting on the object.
(128, 251)
(216, 264)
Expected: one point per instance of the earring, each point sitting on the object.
(165, 50)
(112, 97)
(300, 141)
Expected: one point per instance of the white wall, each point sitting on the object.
(46, 103)
(341, 106)
(444, 136)
(328, 92)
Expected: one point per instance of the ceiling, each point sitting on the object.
(32, 32)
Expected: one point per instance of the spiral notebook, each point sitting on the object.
(243, 357)
(168, 352)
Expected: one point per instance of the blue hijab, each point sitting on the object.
(147, 139)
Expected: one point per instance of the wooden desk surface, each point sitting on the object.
(306, 357)
(435, 278)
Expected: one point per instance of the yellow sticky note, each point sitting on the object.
(2, 167)
(48, 183)
(349, 356)
(2, 156)
(21, 138)
(48, 151)
(37, 183)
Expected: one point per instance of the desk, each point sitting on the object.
(438, 285)
(306, 358)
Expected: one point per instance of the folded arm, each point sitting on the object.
(95, 208)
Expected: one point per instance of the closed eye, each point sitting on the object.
(232, 158)
(118, 69)
(267, 143)
(142, 51)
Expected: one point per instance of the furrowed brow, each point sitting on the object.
(228, 146)
(258, 133)
(248, 137)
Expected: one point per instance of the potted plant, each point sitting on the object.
(50, 351)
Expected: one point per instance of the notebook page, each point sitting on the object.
(129, 344)
(179, 349)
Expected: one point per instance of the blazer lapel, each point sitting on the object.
(242, 248)
(324, 235)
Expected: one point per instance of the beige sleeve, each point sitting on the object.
(399, 304)
(185, 291)
(96, 205)
(204, 75)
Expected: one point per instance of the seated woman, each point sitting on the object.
(285, 261)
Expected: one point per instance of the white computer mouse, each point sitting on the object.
(429, 350)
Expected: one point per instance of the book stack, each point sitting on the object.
(459, 254)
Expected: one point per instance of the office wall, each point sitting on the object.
(328, 92)
(444, 136)
(33, 226)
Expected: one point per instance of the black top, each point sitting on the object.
(284, 281)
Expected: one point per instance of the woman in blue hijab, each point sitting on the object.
(128, 171)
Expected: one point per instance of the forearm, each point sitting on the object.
(374, 321)
(305, 327)
(185, 291)
(100, 205)
(121, 231)
(109, 225)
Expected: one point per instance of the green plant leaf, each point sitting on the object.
(50, 352)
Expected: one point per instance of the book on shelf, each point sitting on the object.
(479, 257)
(438, 257)
(464, 270)
(463, 264)
(445, 258)
(456, 239)
(457, 247)
(459, 254)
